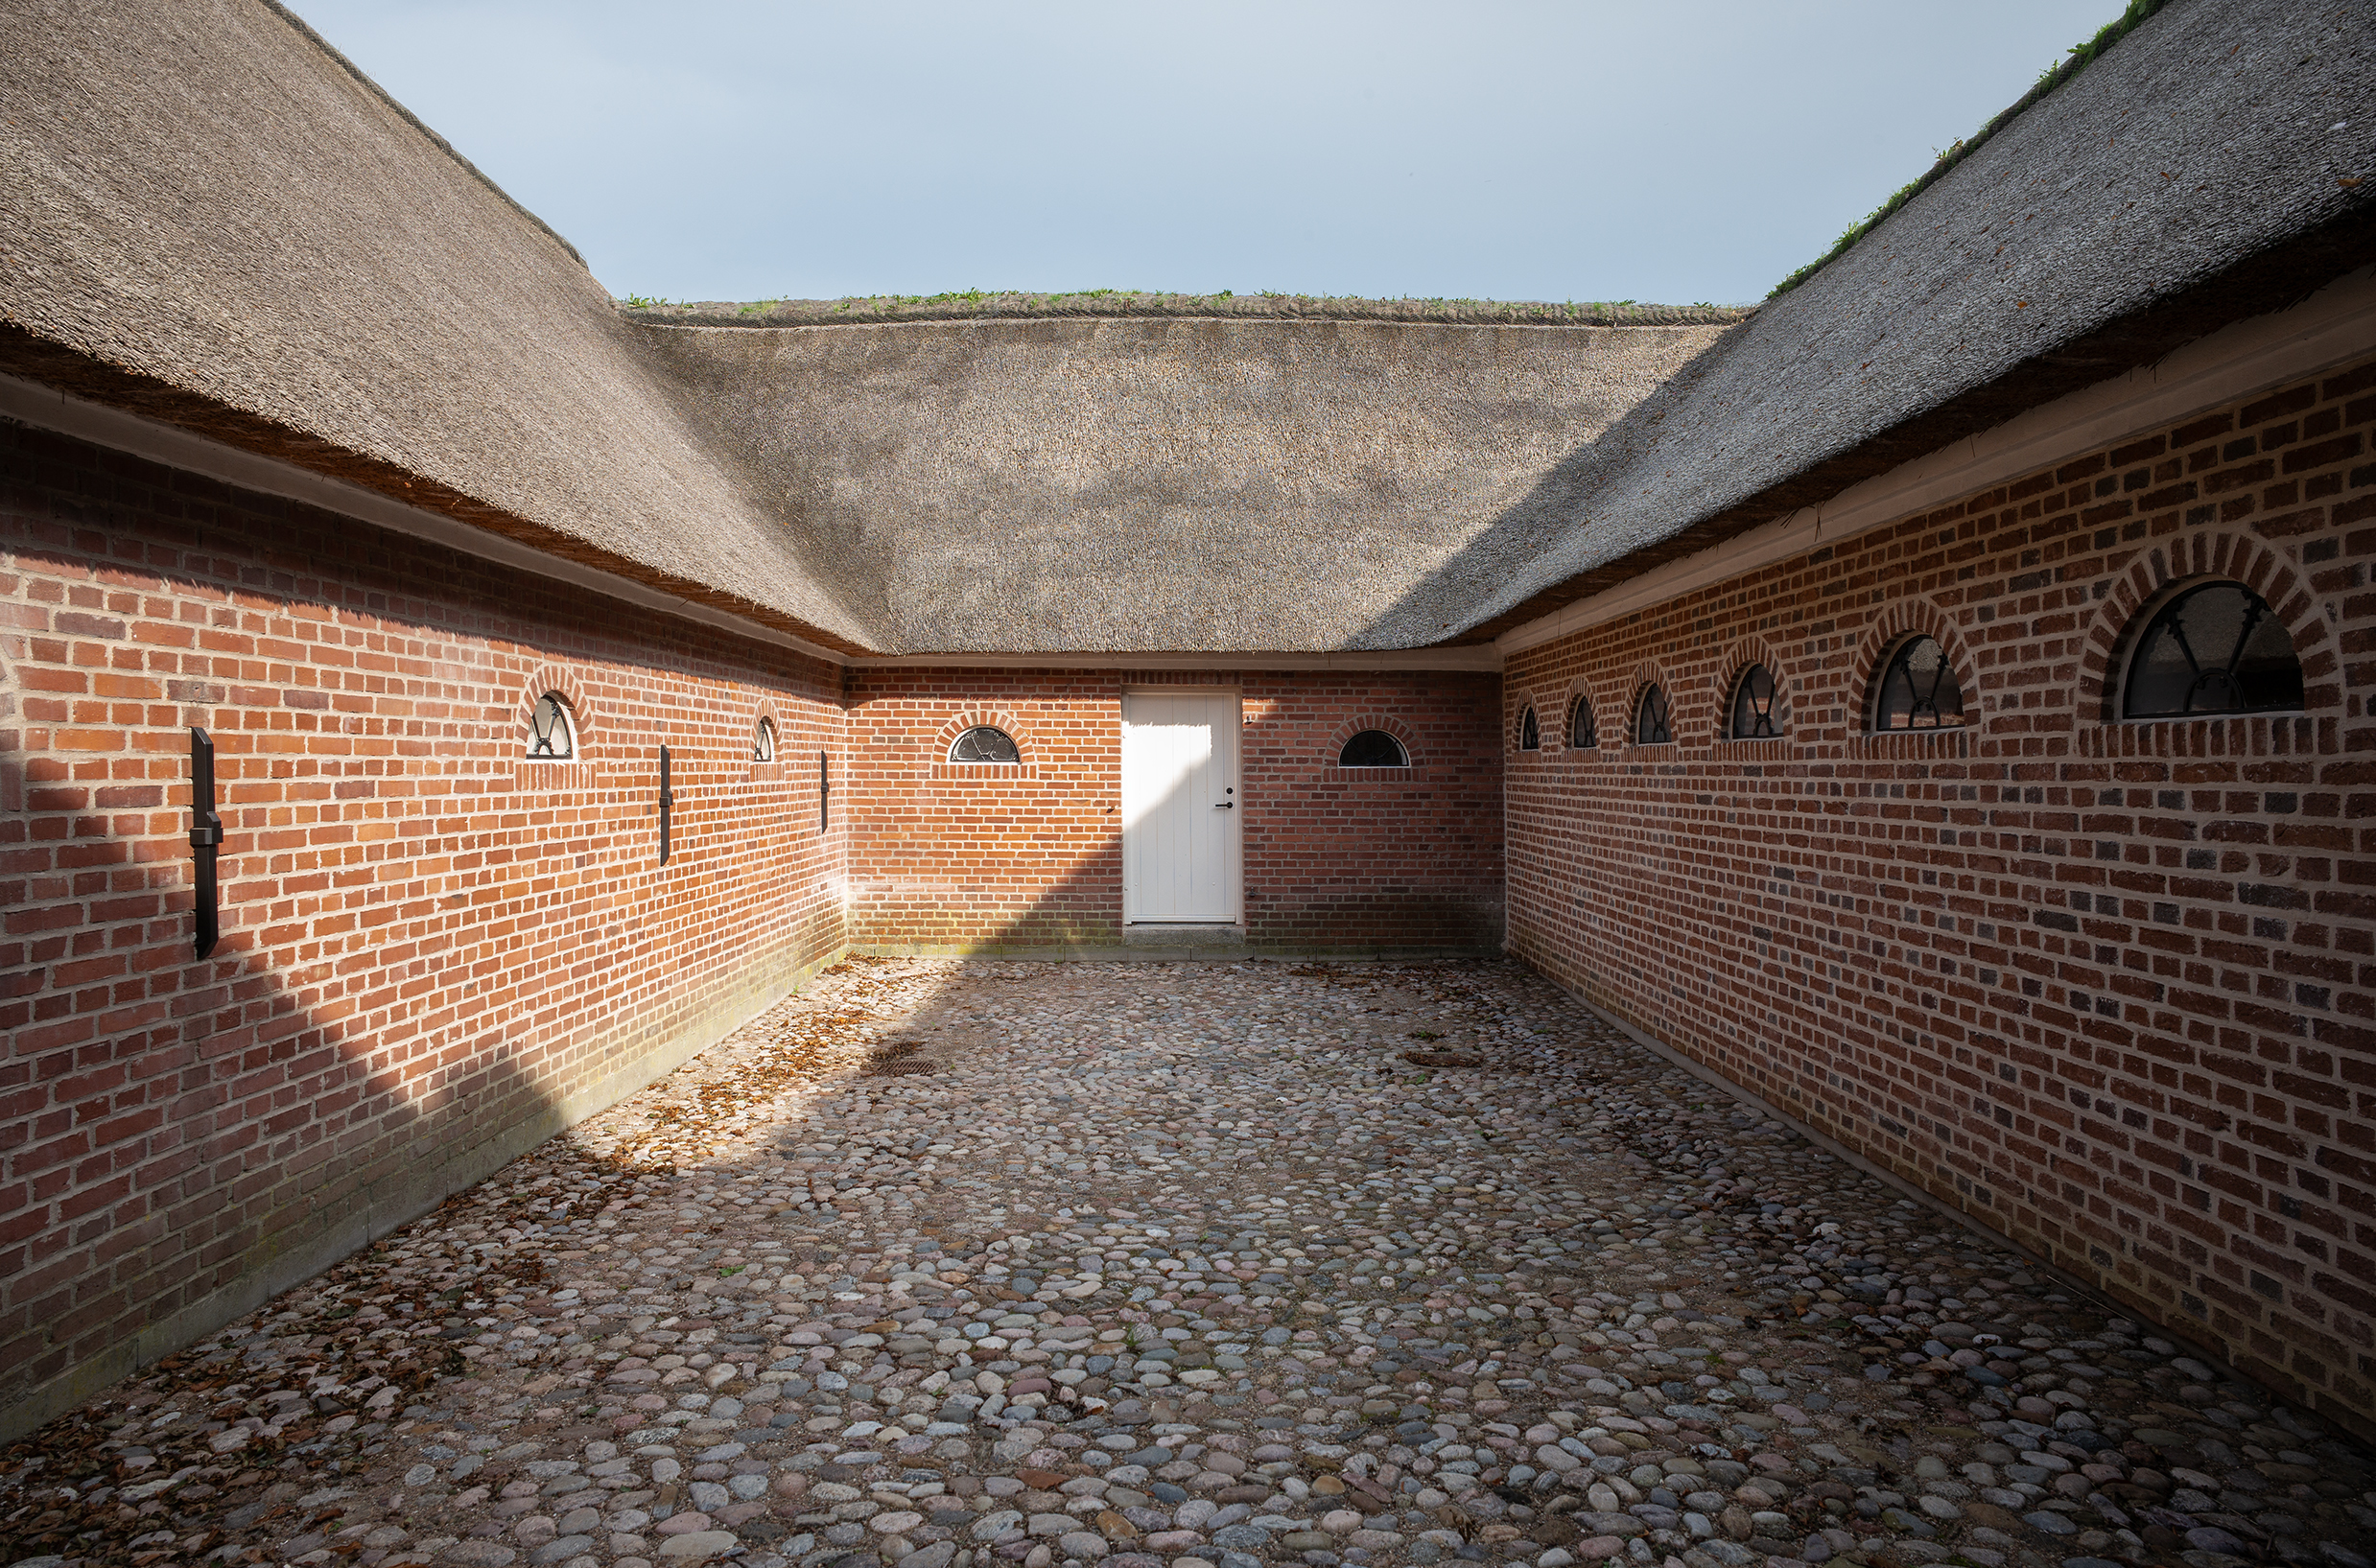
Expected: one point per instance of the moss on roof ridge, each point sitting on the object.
(2075, 60)
(992, 304)
(2049, 79)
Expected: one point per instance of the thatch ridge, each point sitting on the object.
(476, 173)
(989, 305)
(2075, 60)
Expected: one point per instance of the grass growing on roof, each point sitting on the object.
(987, 303)
(2073, 61)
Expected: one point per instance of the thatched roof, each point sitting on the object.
(209, 218)
(1148, 484)
(2214, 163)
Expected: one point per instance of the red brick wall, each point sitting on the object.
(432, 953)
(1391, 857)
(962, 857)
(2109, 985)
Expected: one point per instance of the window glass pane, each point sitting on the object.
(1581, 733)
(984, 745)
(1918, 691)
(1372, 748)
(1753, 706)
(1530, 732)
(2214, 649)
(1650, 726)
(762, 742)
(549, 731)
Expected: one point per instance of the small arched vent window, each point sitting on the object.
(763, 741)
(552, 734)
(1918, 691)
(2214, 649)
(1581, 733)
(1650, 718)
(1530, 729)
(1372, 748)
(984, 745)
(1753, 706)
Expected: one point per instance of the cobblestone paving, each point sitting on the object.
(962, 1266)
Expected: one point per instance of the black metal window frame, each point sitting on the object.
(1653, 720)
(1354, 754)
(1934, 697)
(1530, 729)
(2210, 669)
(549, 721)
(965, 743)
(763, 739)
(1754, 711)
(1583, 730)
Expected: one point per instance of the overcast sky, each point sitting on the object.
(1690, 150)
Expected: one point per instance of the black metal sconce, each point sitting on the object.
(668, 800)
(205, 840)
(824, 791)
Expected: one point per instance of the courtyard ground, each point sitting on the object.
(964, 1265)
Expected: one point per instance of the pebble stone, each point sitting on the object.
(952, 1265)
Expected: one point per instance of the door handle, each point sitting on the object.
(1225, 805)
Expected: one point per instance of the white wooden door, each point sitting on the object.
(1180, 806)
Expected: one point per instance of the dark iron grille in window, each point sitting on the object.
(1581, 732)
(2214, 649)
(550, 733)
(1372, 748)
(1650, 725)
(763, 741)
(1753, 705)
(1918, 691)
(1530, 732)
(983, 744)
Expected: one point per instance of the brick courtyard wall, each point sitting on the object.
(435, 953)
(2109, 986)
(962, 856)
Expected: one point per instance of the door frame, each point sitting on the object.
(1236, 782)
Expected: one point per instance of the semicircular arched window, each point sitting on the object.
(2218, 648)
(1651, 726)
(763, 741)
(983, 743)
(1754, 715)
(1919, 689)
(1372, 748)
(1530, 729)
(1582, 733)
(552, 733)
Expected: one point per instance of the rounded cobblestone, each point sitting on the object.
(1206, 1265)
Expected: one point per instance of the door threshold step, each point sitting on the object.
(1184, 934)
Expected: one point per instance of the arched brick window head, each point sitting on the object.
(551, 734)
(1753, 705)
(2214, 649)
(1581, 733)
(1530, 731)
(1650, 719)
(983, 744)
(1918, 691)
(1372, 748)
(763, 741)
